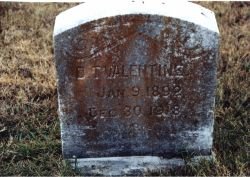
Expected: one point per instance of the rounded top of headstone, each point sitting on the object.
(96, 9)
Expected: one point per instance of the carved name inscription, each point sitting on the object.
(136, 85)
(171, 89)
(133, 70)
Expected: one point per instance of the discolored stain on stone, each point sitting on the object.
(136, 85)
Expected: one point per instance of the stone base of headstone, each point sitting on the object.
(132, 165)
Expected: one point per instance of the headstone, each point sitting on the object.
(136, 84)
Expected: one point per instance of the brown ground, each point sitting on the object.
(29, 125)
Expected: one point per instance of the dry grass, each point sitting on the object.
(29, 125)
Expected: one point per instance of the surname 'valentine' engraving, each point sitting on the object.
(128, 71)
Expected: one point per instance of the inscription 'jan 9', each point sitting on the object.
(171, 88)
(174, 90)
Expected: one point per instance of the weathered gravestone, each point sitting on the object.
(136, 84)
